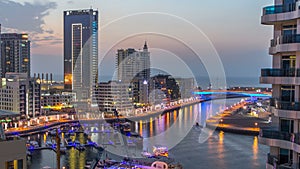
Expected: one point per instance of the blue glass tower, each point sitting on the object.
(81, 52)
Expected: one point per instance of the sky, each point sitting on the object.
(230, 28)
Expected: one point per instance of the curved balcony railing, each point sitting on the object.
(272, 134)
(284, 105)
(280, 72)
(278, 135)
(285, 39)
(276, 9)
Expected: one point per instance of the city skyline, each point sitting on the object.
(180, 79)
(250, 51)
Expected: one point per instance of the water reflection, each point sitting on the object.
(181, 121)
(255, 147)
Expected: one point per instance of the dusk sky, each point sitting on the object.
(232, 26)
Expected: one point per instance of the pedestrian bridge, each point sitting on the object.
(252, 94)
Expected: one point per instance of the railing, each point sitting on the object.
(275, 9)
(285, 39)
(278, 135)
(284, 105)
(280, 72)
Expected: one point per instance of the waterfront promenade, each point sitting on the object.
(236, 120)
(230, 120)
(22, 130)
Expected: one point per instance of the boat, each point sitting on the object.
(50, 144)
(147, 154)
(80, 147)
(125, 127)
(31, 145)
(52, 132)
(160, 151)
(69, 142)
(63, 149)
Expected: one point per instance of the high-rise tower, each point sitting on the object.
(284, 137)
(15, 53)
(134, 67)
(81, 52)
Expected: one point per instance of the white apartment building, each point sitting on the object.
(283, 138)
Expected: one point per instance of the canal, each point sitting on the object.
(188, 145)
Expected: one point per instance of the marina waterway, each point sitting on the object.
(188, 145)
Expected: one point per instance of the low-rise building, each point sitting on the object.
(163, 89)
(114, 95)
(20, 94)
(186, 86)
(13, 151)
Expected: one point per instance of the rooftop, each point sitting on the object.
(6, 113)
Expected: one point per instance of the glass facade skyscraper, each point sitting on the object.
(81, 52)
(15, 53)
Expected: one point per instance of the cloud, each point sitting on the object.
(26, 16)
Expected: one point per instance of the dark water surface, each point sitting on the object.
(187, 145)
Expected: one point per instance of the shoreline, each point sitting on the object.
(235, 121)
(42, 128)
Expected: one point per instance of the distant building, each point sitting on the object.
(283, 138)
(134, 67)
(115, 96)
(81, 52)
(15, 53)
(20, 94)
(163, 88)
(56, 99)
(186, 86)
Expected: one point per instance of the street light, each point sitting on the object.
(221, 122)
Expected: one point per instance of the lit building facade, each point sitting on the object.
(163, 89)
(20, 94)
(81, 52)
(186, 86)
(283, 138)
(15, 53)
(134, 67)
(115, 96)
(56, 99)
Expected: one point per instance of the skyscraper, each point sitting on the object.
(134, 67)
(81, 52)
(283, 138)
(15, 53)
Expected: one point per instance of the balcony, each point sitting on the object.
(285, 39)
(280, 76)
(272, 134)
(283, 140)
(285, 43)
(278, 13)
(276, 9)
(284, 105)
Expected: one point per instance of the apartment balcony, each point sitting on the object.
(283, 140)
(285, 43)
(285, 109)
(280, 76)
(279, 13)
